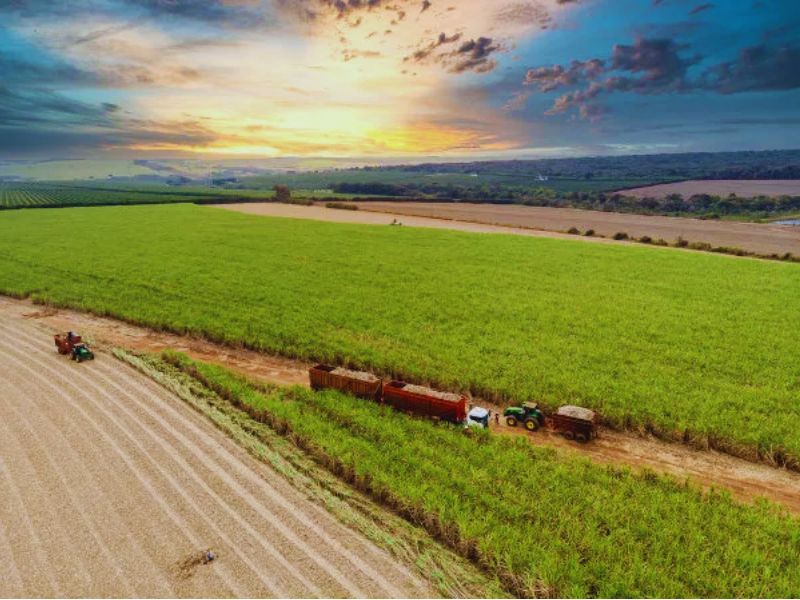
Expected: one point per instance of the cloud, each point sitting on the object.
(244, 14)
(471, 55)
(474, 55)
(757, 68)
(648, 66)
(34, 107)
(17, 70)
(700, 8)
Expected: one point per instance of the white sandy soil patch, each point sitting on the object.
(110, 484)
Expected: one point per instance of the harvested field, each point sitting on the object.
(707, 468)
(371, 213)
(113, 487)
(720, 187)
(762, 239)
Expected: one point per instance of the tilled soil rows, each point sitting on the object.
(112, 487)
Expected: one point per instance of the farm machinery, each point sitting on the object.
(528, 414)
(573, 422)
(406, 397)
(72, 345)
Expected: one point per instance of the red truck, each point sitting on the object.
(398, 394)
(425, 401)
(357, 383)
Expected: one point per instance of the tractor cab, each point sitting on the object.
(528, 414)
(81, 352)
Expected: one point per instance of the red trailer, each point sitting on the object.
(357, 383)
(575, 423)
(65, 343)
(425, 401)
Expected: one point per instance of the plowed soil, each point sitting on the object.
(112, 487)
(745, 480)
(755, 237)
(720, 187)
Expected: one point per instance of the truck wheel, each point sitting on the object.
(581, 438)
(531, 424)
(569, 435)
(511, 421)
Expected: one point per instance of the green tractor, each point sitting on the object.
(528, 414)
(81, 352)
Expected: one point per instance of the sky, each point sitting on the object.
(396, 78)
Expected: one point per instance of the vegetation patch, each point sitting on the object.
(453, 576)
(545, 523)
(690, 346)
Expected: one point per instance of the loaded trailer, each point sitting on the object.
(358, 383)
(426, 401)
(575, 423)
(407, 397)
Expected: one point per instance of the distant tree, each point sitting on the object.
(282, 193)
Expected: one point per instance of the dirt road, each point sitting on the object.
(745, 480)
(720, 187)
(111, 486)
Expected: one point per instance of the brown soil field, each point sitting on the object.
(544, 222)
(720, 187)
(755, 237)
(113, 487)
(746, 481)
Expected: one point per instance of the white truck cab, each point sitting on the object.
(478, 417)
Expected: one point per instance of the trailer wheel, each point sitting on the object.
(569, 435)
(531, 424)
(581, 438)
(511, 421)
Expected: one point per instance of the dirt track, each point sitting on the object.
(545, 222)
(110, 487)
(720, 187)
(745, 480)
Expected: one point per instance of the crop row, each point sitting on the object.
(700, 347)
(546, 524)
(30, 195)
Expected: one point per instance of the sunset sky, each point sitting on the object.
(378, 78)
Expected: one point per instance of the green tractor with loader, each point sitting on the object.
(528, 414)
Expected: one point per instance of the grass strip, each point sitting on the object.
(545, 524)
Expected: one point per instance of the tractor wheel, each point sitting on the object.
(511, 421)
(580, 438)
(531, 424)
(569, 435)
